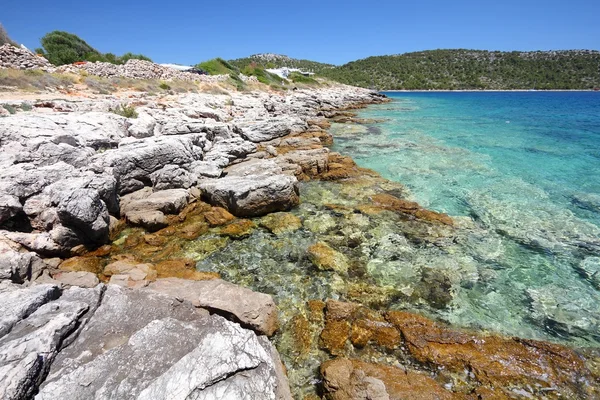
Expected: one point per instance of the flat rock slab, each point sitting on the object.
(209, 358)
(109, 342)
(255, 310)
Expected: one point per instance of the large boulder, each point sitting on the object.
(135, 160)
(149, 209)
(252, 188)
(84, 211)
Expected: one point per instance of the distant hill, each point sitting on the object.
(473, 69)
(278, 61)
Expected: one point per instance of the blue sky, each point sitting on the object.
(187, 32)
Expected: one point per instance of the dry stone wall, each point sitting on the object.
(18, 58)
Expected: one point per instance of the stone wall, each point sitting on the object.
(18, 58)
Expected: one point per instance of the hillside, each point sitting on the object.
(278, 61)
(473, 69)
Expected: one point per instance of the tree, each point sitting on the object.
(4, 38)
(65, 48)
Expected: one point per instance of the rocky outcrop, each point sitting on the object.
(110, 342)
(67, 171)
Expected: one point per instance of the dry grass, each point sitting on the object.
(36, 81)
(154, 86)
(33, 80)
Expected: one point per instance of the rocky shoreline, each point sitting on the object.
(115, 230)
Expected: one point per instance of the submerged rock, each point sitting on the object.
(326, 258)
(281, 222)
(345, 379)
(489, 366)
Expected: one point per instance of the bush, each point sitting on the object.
(125, 111)
(10, 108)
(263, 76)
(26, 106)
(299, 78)
(128, 56)
(164, 86)
(217, 66)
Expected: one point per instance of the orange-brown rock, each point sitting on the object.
(87, 264)
(155, 240)
(183, 268)
(334, 336)
(301, 336)
(100, 251)
(360, 325)
(315, 310)
(345, 379)
(239, 229)
(496, 361)
(195, 208)
(191, 230)
(340, 167)
(321, 123)
(339, 310)
(392, 203)
(218, 216)
(328, 259)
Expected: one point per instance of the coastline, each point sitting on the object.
(486, 90)
(286, 149)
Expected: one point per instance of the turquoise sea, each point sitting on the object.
(520, 172)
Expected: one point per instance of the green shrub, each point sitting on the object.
(237, 81)
(263, 76)
(217, 66)
(128, 56)
(164, 86)
(10, 108)
(26, 106)
(299, 78)
(125, 111)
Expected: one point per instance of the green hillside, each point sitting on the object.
(278, 61)
(473, 69)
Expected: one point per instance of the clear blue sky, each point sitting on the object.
(187, 32)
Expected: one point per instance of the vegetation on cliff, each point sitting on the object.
(278, 61)
(473, 69)
(4, 38)
(66, 48)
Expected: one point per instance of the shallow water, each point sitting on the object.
(521, 171)
(523, 255)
